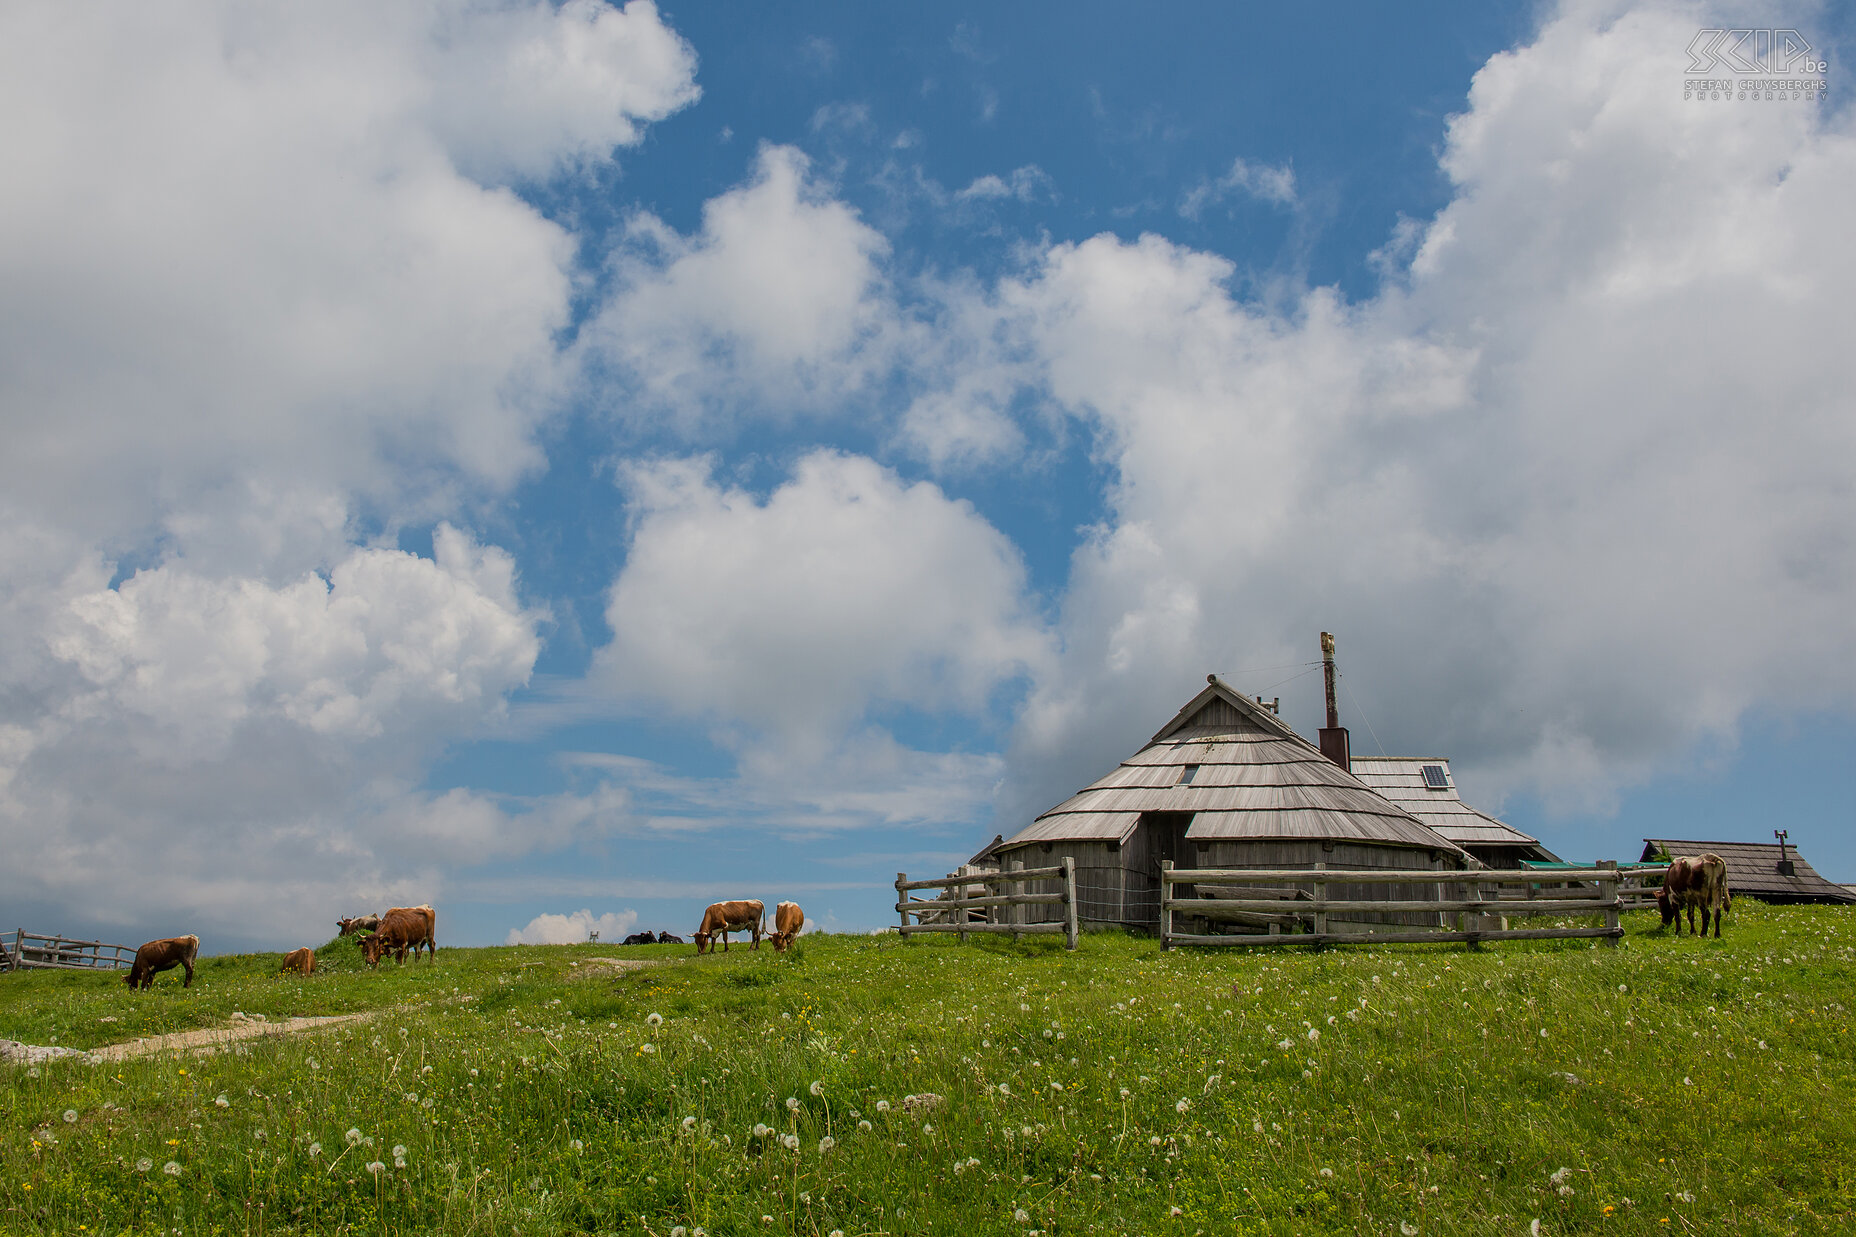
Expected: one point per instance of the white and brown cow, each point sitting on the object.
(403, 928)
(360, 923)
(163, 955)
(724, 917)
(788, 919)
(1695, 881)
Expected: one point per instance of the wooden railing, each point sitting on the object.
(955, 910)
(31, 950)
(1470, 907)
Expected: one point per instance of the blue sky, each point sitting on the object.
(572, 463)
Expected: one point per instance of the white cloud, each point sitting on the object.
(1024, 184)
(386, 636)
(1262, 182)
(1575, 491)
(263, 290)
(574, 929)
(524, 90)
(777, 305)
(238, 244)
(846, 588)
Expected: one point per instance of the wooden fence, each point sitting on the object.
(957, 910)
(30, 950)
(1292, 907)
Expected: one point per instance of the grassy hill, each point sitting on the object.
(1667, 1085)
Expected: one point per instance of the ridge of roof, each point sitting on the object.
(1217, 688)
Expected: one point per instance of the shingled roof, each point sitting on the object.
(1753, 869)
(1243, 773)
(1434, 801)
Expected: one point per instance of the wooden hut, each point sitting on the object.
(1769, 871)
(1424, 787)
(1225, 784)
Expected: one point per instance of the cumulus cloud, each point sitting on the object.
(250, 244)
(777, 305)
(266, 294)
(1574, 489)
(574, 929)
(845, 589)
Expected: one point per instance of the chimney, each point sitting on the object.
(1786, 867)
(1333, 735)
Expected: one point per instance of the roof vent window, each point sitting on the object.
(1187, 774)
(1435, 778)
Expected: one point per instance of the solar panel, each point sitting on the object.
(1436, 778)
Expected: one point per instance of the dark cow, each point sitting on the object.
(302, 961)
(1695, 881)
(403, 928)
(640, 938)
(724, 917)
(788, 919)
(360, 923)
(666, 938)
(165, 955)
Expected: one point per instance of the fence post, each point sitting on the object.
(1166, 904)
(1321, 906)
(1613, 928)
(1069, 901)
(902, 902)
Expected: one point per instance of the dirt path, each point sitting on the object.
(247, 1026)
(241, 1027)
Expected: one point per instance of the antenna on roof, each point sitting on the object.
(1333, 736)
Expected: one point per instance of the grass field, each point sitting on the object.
(1667, 1085)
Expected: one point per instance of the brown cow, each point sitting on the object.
(725, 917)
(788, 919)
(360, 923)
(302, 961)
(403, 928)
(1695, 881)
(164, 955)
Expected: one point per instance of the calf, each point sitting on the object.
(788, 919)
(157, 956)
(360, 923)
(302, 961)
(666, 938)
(403, 928)
(1695, 881)
(725, 917)
(639, 938)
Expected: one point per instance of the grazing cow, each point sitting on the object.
(1695, 881)
(360, 923)
(725, 917)
(666, 938)
(787, 920)
(302, 961)
(157, 956)
(640, 938)
(403, 928)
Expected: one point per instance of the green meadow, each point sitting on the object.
(867, 1085)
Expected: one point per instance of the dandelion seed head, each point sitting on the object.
(144, 1164)
(817, 1087)
(354, 1137)
(70, 1115)
(376, 1167)
(315, 1149)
